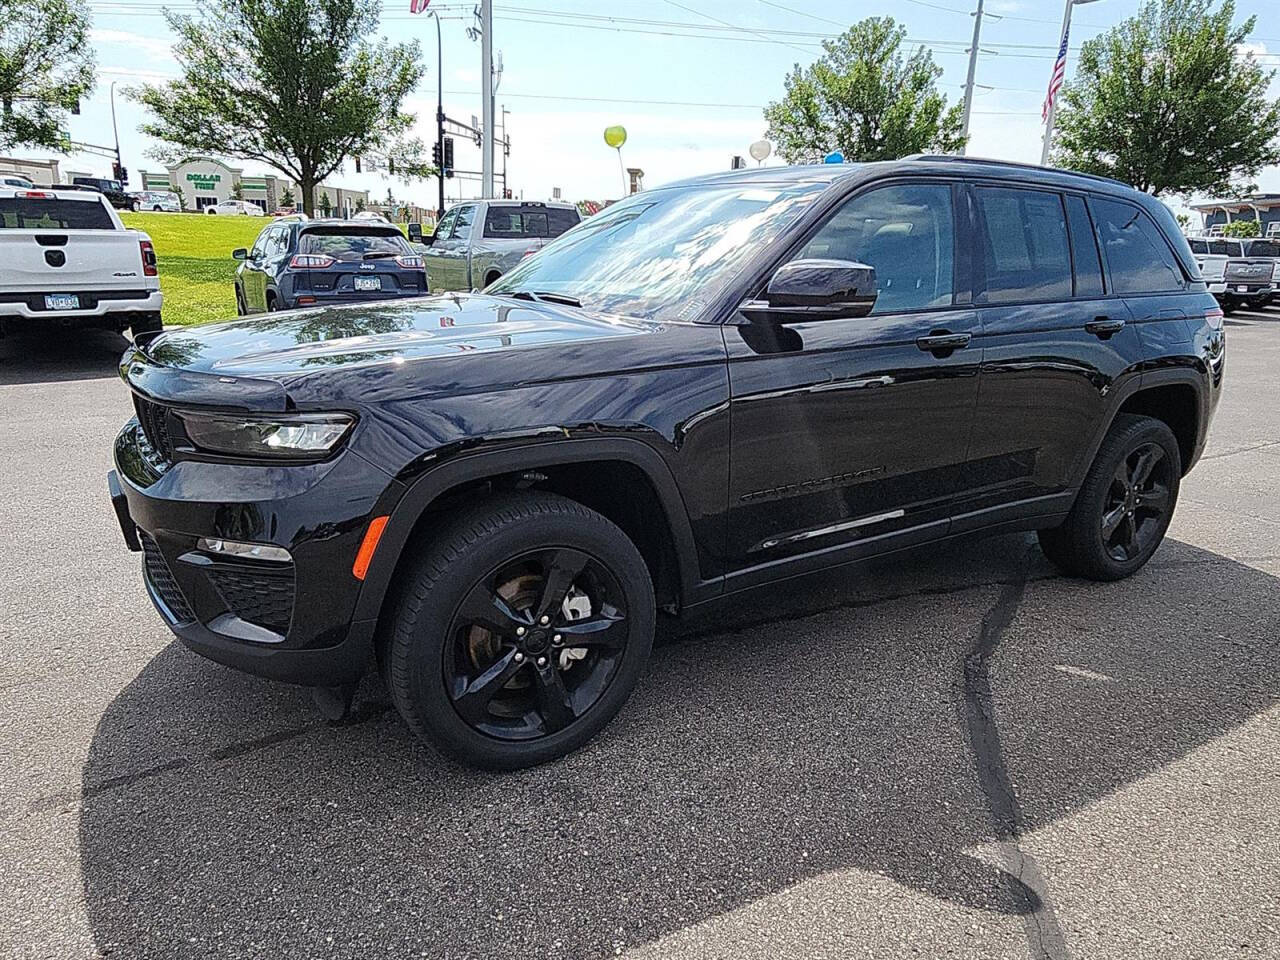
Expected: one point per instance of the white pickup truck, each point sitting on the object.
(67, 260)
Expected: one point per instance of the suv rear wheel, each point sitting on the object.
(1124, 506)
(520, 631)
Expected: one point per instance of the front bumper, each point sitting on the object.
(286, 620)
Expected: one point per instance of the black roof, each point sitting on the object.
(933, 163)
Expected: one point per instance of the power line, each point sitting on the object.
(699, 13)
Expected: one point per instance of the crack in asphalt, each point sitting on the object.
(1261, 445)
(364, 714)
(1044, 935)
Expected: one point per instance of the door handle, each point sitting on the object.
(942, 343)
(1104, 327)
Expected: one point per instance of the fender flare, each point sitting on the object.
(1131, 387)
(474, 466)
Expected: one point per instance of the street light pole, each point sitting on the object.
(116, 132)
(968, 84)
(486, 93)
(439, 113)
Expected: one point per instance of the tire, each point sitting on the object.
(241, 309)
(1257, 303)
(1082, 546)
(535, 707)
(146, 323)
(157, 208)
(213, 213)
(272, 303)
(1230, 305)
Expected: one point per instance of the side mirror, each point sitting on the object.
(239, 253)
(415, 232)
(816, 290)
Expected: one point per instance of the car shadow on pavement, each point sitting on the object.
(53, 354)
(874, 719)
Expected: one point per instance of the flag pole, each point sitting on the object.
(1051, 102)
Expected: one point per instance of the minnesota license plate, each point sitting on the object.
(61, 301)
(368, 283)
(1240, 289)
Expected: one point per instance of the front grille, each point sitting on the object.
(262, 598)
(161, 579)
(154, 420)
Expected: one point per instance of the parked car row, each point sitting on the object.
(1240, 272)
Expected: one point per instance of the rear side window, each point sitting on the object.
(1024, 242)
(1261, 248)
(558, 221)
(528, 222)
(1137, 253)
(1084, 249)
(353, 243)
(907, 233)
(1198, 246)
(32, 213)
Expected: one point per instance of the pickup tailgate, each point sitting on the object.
(59, 241)
(51, 261)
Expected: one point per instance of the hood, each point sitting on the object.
(302, 342)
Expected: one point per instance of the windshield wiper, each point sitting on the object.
(378, 256)
(545, 296)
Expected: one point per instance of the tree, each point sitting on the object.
(237, 191)
(46, 67)
(286, 198)
(292, 84)
(182, 200)
(1168, 102)
(1240, 228)
(325, 203)
(866, 98)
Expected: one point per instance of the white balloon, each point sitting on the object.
(760, 149)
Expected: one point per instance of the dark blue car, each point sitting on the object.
(303, 263)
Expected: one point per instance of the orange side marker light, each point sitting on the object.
(364, 556)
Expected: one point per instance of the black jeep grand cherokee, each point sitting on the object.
(708, 387)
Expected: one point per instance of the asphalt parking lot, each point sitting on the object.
(955, 754)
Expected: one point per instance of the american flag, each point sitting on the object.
(1055, 81)
(418, 6)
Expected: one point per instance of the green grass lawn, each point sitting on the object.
(194, 256)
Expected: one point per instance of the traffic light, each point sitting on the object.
(448, 156)
(119, 172)
(435, 155)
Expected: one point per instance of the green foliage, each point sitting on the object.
(866, 98)
(182, 199)
(1241, 228)
(293, 84)
(326, 205)
(46, 67)
(237, 191)
(1166, 101)
(286, 198)
(193, 253)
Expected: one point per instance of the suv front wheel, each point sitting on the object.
(1124, 506)
(520, 631)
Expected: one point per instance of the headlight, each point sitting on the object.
(304, 437)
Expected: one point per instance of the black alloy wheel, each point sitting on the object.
(1124, 505)
(519, 631)
(1137, 504)
(534, 645)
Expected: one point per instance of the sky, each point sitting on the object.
(688, 79)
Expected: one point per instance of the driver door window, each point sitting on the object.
(907, 233)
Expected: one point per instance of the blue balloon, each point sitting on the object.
(835, 156)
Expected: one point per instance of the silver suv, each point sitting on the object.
(479, 240)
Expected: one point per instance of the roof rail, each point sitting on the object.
(987, 161)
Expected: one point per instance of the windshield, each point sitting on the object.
(662, 254)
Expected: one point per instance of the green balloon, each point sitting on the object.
(615, 136)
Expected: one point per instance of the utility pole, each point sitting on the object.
(968, 84)
(486, 95)
(116, 132)
(439, 112)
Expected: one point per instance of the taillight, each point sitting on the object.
(312, 261)
(34, 194)
(529, 253)
(148, 259)
(410, 263)
(1214, 318)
